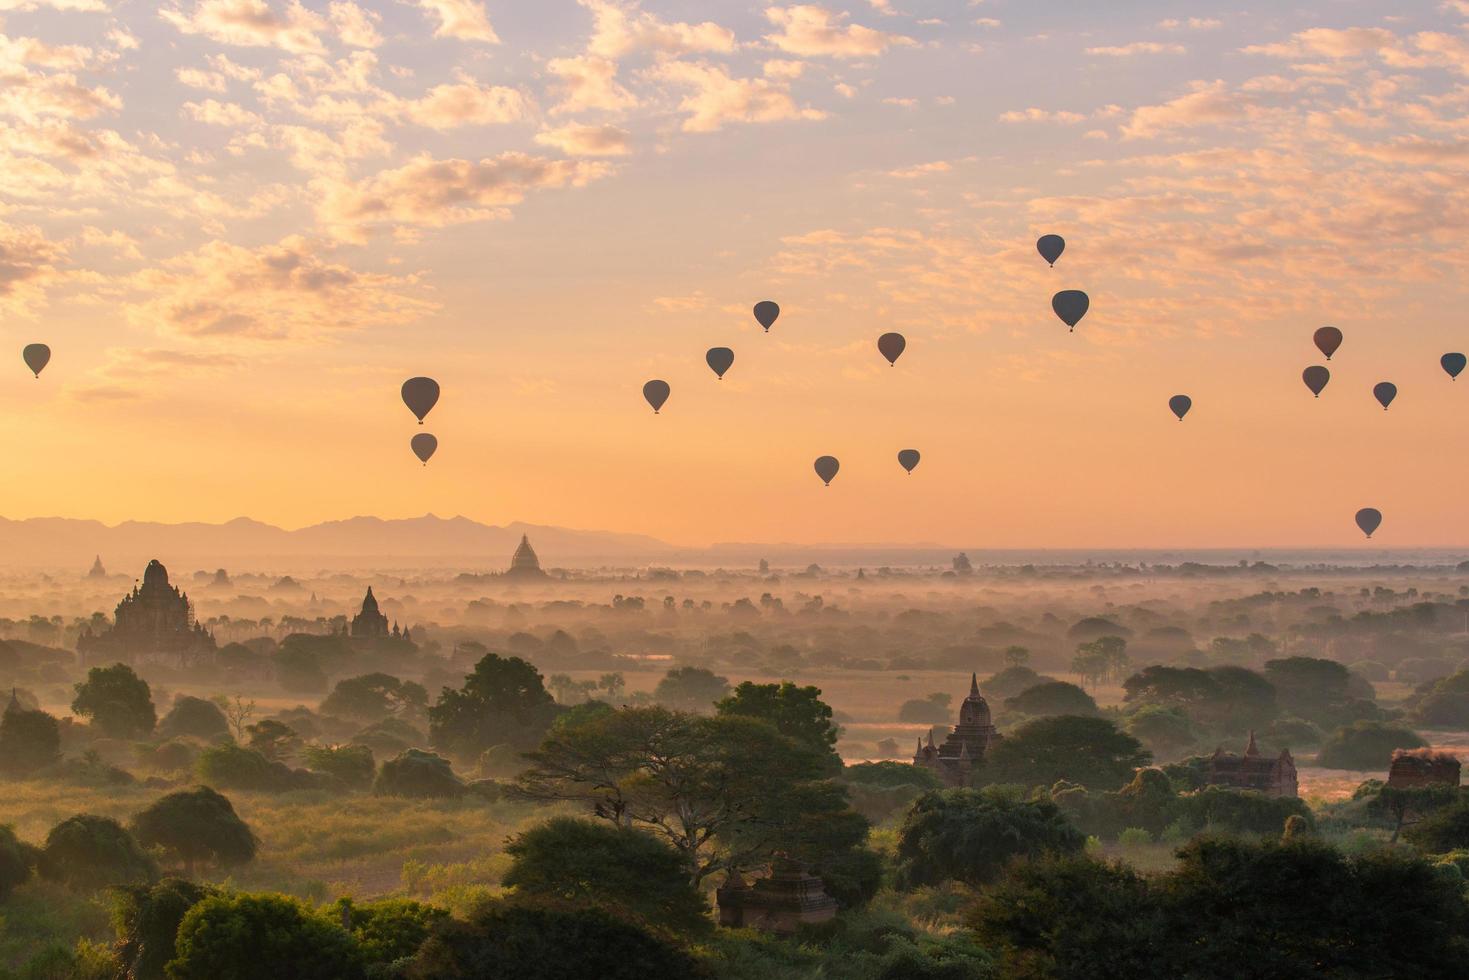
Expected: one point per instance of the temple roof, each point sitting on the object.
(369, 602)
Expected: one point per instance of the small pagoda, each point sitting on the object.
(781, 902)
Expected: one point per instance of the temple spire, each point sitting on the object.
(974, 685)
(1252, 748)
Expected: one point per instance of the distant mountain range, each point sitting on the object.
(54, 542)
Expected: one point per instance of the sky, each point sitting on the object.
(241, 224)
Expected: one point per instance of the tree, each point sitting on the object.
(352, 764)
(298, 670)
(30, 740)
(197, 825)
(237, 712)
(1052, 698)
(418, 774)
(390, 929)
(796, 712)
(1104, 658)
(86, 852)
(196, 717)
(1013, 680)
(146, 918)
(1310, 688)
(932, 710)
(242, 935)
(690, 689)
(971, 835)
(1396, 804)
(117, 700)
(1445, 829)
(1366, 745)
(1165, 732)
(231, 766)
(544, 942)
(1089, 751)
(16, 861)
(275, 740)
(502, 702)
(613, 686)
(616, 868)
(373, 697)
(1016, 656)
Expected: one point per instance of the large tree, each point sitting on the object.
(117, 700)
(373, 697)
(243, 936)
(971, 835)
(1089, 751)
(503, 702)
(87, 852)
(691, 689)
(29, 740)
(796, 712)
(197, 825)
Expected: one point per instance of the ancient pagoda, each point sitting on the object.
(369, 624)
(967, 742)
(153, 622)
(524, 563)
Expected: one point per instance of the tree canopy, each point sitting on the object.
(1089, 751)
(30, 740)
(87, 852)
(197, 825)
(503, 701)
(244, 935)
(117, 700)
(693, 689)
(796, 712)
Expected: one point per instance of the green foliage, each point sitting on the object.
(196, 717)
(373, 697)
(970, 835)
(87, 852)
(891, 774)
(1134, 837)
(932, 710)
(1220, 809)
(197, 825)
(146, 919)
(619, 869)
(30, 740)
(1312, 688)
(690, 689)
(272, 738)
(388, 930)
(1444, 829)
(418, 774)
(1052, 698)
(502, 702)
(352, 764)
(231, 766)
(1089, 751)
(389, 737)
(1366, 745)
(796, 712)
(1165, 732)
(117, 700)
(298, 669)
(534, 942)
(1012, 680)
(16, 861)
(247, 936)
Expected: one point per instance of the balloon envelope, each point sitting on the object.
(1050, 247)
(1328, 339)
(1368, 519)
(1384, 392)
(719, 359)
(766, 312)
(423, 446)
(36, 356)
(1453, 364)
(908, 458)
(656, 392)
(1316, 377)
(826, 468)
(1180, 404)
(891, 345)
(1071, 305)
(420, 395)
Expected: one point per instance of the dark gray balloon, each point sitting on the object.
(36, 356)
(1316, 377)
(908, 458)
(1050, 247)
(1368, 519)
(719, 360)
(423, 446)
(766, 312)
(826, 468)
(1453, 364)
(1071, 305)
(1327, 339)
(656, 392)
(420, 395)
(1384, 392)
(892, 346)
(1180, 404)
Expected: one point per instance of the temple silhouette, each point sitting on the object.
(967, 742)
(524, 563)
(153, 622)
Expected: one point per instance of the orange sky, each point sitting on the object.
(241, 224)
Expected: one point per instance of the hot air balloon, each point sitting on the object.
(1384, 392)
(908, 458)
(420, 395)
(1368, 519)
(36, 356)
(826, 468)
(1070, 305)
(1328, 339)
(423, 446)
(766, 312)
(1316, 377)
(891, 345)
(1050, 247)
(719, 359)
(1453, 364)
(1180, 404)
(656, 392)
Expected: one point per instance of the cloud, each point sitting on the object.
(1326, 42)
(232, 296)
(1192, 24)
(427, 192)
(356, 27)
(588, 82)
(462, 19)
(28, 261)
(209, 81)
(84, 6)
(1208, 103)
(1034, 114)
(620, 28)
(1137, 48)
(215, 113)
(810, 30)
(922, 170)
(718, 99)
(587, 141)
(131, 373)
(464, 103)
(251, 23)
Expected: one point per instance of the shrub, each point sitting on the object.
(352, 764)
(86, 852)
(261, 936)
(194, 716)
(197, 825)
(16, 861)
(970, 835)
(416, 773)
(390, 929)
(1052, 698)
(1134, 837)
(1366, 745)
(29, 741)
(230, 766)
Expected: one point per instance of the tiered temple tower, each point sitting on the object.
(369, 623)
(967, 742)
(152, 621)
(525, 564)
